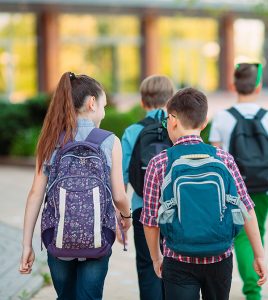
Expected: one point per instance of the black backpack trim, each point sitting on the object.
(137, 168)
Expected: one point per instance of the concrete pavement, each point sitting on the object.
(121, 282)
(13, 190)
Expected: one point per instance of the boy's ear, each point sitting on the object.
(144, 106)
(204, 125)
(258, 88)
(175, 122)
(231, 87)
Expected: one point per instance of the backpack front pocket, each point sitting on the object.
(200, 209)
(80, 215)
(195, 209)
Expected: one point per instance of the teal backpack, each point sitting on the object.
(200, 212)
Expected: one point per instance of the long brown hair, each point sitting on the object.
(61, 116)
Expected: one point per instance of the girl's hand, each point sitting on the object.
(27, 260)
(126, 223)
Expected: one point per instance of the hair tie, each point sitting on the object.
(72, 76)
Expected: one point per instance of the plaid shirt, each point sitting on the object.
(153, 180)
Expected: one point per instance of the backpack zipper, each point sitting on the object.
(71, 155)
(177, 162)
(201, 175)
(76, 176)
(80, 157)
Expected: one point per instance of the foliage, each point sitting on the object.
(205, 133)
(13, 118)
(117, 122)
(47, 278)
(25, 142)
(24, 295)
(18, 123)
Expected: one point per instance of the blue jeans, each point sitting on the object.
(78, 280)
(185, 281)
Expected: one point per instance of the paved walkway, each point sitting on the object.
(13, 190)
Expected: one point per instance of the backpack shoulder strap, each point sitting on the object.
(260, 114)
(235, 113)
(97, 136)
(160, 115)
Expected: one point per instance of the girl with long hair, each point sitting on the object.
(76, 108)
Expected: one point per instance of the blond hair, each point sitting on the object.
(156, 90)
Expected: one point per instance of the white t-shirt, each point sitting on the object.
(223, 123)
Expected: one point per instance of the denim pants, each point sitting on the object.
(183, 281)
(150, 286)
(78, 280)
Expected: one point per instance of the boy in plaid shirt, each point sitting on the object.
(184, 276)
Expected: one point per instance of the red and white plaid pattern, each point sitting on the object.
(153, 180)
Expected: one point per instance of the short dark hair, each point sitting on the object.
(245, 76)
(191, 107)
(156, 90)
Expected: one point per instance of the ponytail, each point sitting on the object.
(60, 117)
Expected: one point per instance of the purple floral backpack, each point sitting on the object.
(78, 219)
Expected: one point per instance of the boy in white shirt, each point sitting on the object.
(224, 134)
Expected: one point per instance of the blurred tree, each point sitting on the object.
(18, 75)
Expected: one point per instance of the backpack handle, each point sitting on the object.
(195, 156)
(97, 136)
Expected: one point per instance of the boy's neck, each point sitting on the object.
(247, 98)
(153, 108)
(147, 108)
(186, 132)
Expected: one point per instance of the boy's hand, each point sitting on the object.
(158, 266)
(261, 270)
(27, 260)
